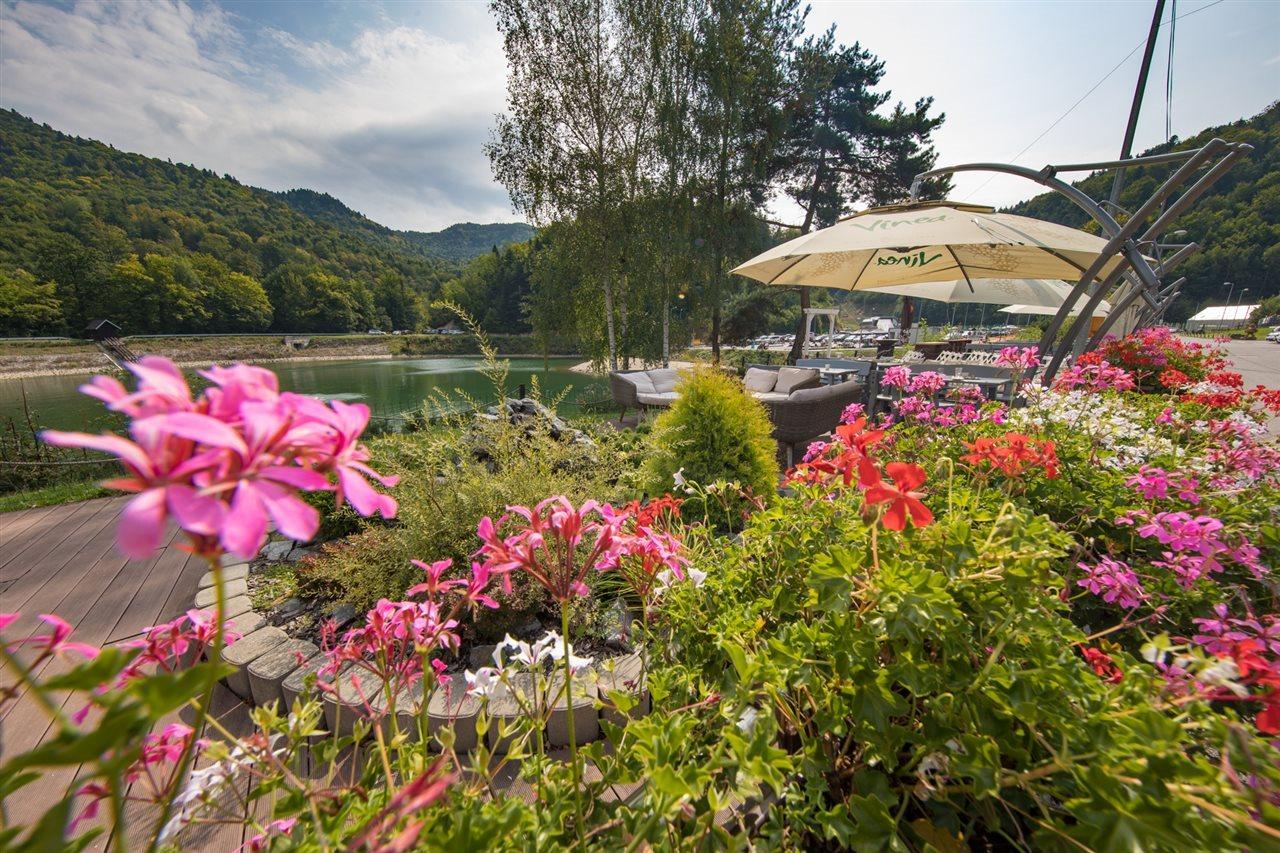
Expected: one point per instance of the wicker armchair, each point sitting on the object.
(624, 393)
(809, 413)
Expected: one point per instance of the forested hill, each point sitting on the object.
(1237, 224)
(460, 243)
(89, 231)
(467, 240)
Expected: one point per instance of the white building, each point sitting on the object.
(1221, 317)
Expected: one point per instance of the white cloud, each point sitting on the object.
(391, 123)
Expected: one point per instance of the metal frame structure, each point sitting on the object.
(1136, 283)
(1135, 286)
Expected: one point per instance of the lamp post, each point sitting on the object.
(1240, 301)
(1231, 288)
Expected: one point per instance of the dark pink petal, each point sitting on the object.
(129, 453)
(246, 525)
(366, 501)
(293, 517)
(142, 524)
(200, 428)
(299, 478)
(7, 619)
(196, 513)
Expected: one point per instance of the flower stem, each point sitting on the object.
(202, 708)
(568, 705)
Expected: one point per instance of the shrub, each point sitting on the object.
(714, 433)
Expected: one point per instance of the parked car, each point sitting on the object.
(1274, 335)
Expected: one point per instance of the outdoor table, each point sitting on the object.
(834, 375)
(988, 385)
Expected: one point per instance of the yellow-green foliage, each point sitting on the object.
(715, 432)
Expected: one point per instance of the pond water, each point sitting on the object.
(388, 386)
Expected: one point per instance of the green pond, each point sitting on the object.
(388, 386)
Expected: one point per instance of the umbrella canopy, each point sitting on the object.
(928, 242)
(1045, 292)
(1103, 309)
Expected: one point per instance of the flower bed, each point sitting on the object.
(1050, 626)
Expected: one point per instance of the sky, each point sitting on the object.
(386, 105)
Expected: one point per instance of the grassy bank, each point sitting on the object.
(49, 357)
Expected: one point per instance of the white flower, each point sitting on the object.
(485, 681)
(667, 577)
(1223, 673)
(556, 653)
(934, 762)
(678, 477)
(747, 720)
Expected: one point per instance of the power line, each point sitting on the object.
(1092, 89)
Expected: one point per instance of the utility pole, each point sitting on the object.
(1231, 288)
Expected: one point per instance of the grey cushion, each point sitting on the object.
(759, 379)
(640, 379)
(665, 399)
(791, 377)
(664, 380)
(769, 396)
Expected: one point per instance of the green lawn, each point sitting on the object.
(60, 493)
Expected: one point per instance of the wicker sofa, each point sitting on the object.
(810, 412)
(645, 389)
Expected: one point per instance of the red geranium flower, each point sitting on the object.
(902, 497)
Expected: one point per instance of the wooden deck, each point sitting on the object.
(62, 560)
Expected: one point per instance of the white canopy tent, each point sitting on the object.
(1222, 317)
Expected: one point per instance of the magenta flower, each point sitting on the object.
(897, 376)
(1114, 582)
(1023, 358)
(225, 464)
(546, 547)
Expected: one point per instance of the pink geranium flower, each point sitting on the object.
(224, 464)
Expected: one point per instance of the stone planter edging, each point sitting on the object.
(268, 670)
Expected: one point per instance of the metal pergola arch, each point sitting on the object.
(1135, 286)
(1143, 263)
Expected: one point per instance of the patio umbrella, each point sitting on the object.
(992, 291)
(1103, 309)
(928, 242)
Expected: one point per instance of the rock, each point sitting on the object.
(623, 675)
(245, 651)
(298, 554)
(482, 655)
(289, 609)
(586, 722)
(346, 703)
(343, 615)
(267, 673)
(238, 571)
(208, 596)
(295, 682)
(277, 550)
(453, 708)
(530, 629)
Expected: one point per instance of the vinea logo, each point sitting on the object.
(886, 224)
(916, 259)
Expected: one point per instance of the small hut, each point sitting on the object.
(102, 329)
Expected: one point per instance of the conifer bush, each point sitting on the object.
(714, 433)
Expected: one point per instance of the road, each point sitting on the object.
(1259, 363)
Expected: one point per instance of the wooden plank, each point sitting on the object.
(49, 536)
(66, 572)
(14, 522)
(150, 605)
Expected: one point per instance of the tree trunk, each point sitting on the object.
(797, 346)
(608, 322)
(666, 328)
(623, 298)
